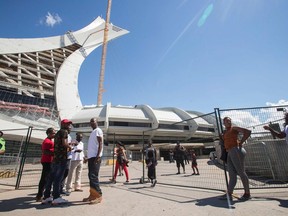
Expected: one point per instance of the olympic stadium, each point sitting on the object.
(39, 87)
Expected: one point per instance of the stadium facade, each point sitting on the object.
(39, 86)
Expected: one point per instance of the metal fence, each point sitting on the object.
(266, 160)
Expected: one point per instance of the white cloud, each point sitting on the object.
(279, 103)
(52, 19)
(255, 119)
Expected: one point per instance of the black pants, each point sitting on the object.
(152, 172)
(46, 168)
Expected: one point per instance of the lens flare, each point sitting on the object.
(205, 15)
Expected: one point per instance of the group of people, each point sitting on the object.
(61, 157)
(180, 154)
(122, 162)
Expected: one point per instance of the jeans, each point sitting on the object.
(66, 172)
(93, 174)
(55, 178)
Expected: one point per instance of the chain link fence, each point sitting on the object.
(266, 160)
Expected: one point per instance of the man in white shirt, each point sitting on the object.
(76, 165)
(95, 151)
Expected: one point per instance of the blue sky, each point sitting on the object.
(191, 54)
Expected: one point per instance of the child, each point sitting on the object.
(194, 164)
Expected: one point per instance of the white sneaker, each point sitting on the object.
(59, 200)
(47, 200)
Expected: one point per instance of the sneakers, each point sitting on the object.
(226, 196)
(245, 197)
(153, 183)
(47, 200)
(59, 200)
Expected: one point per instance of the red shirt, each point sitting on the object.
(47, 144)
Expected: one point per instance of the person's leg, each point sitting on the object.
(183, 165)
(78, 175)
(73, 165)
(153, 174)
(117, 165)
(231, 170)
(178, 166)
(66, 171)
(126, 172)
(46, 167)
(120, 171)
(95, 190)
(197, 170)
(60, 168)
(238, 161)
(193, 170)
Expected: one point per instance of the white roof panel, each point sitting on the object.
(128, 113)
(163, 115)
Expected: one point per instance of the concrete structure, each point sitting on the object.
(39, 86)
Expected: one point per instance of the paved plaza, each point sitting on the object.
(169, 197)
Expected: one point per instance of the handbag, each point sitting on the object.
(224, 153)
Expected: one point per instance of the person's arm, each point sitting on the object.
(124, 154)
(246, 134)
(275, 133)
(65, 141)
(100, 146)
(78, 148)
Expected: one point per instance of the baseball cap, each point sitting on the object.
(66, 121)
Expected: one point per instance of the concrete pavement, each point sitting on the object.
(167, 198)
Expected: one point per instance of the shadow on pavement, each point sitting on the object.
(282, 203)
(214, 201)
(17, 203)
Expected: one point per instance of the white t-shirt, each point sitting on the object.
(78, 155)
(93, 143)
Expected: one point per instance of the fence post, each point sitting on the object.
(142, 180)
(23, 157)
(220, 131)
(113, 165)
